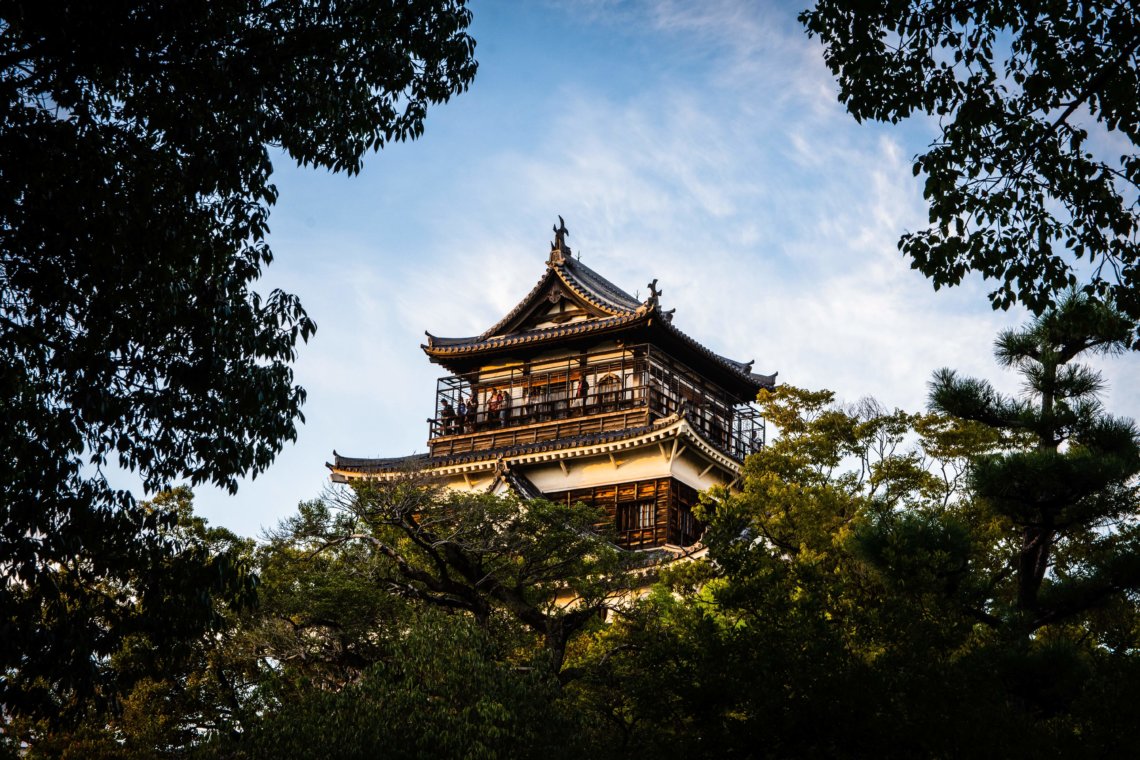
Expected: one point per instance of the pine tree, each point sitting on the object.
(1069, 490)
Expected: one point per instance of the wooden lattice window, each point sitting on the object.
(609, 390)
(640, 515)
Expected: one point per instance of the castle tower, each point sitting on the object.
(583, 393)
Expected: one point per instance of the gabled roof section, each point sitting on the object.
(565, 278)
(595, 288)
(515, 480)
(596, 306)
(477, 344)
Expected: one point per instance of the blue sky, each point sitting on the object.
(698, 143)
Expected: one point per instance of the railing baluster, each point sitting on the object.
(646, 379)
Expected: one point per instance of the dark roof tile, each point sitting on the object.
(598, 287)
(423, 461)
(623, 309)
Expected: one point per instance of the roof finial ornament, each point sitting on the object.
(559, 251)
(654, 294)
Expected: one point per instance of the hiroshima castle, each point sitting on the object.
(584, 393)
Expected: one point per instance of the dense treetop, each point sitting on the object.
(135, 188)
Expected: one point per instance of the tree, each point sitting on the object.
(799, 638)
(541, 563)
(134, 197)
(393, 615)
(1033, 180)
(401, 616)
(862, 601)
(442, 686)
(1072, 493)
(171, 680)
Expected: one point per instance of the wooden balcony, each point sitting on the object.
(609, 391)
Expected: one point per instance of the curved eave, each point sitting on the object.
(521, 307)
(737, 376)
(443, 348)
(597, 290)
(598, 444)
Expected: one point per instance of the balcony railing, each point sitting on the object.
(600, 384)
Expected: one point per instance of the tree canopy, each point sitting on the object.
(864, 595)
(398, 617)
(864, 599)
(1034, 178)
(135, 189)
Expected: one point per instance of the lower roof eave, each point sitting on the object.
(670, 428)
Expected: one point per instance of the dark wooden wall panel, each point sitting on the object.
(626, 504)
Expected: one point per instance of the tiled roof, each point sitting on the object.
(423, 461)
(619, 310)
(388, 464)
(576, 277)
(447, 347)
(744, 369)
(547, 276)
(474, 344)
(596, 288)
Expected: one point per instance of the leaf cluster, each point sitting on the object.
(1034, 180)
(135, 188)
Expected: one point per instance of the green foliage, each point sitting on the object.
(171, 676)
(135, 164)
(443, 686)
(474, 552)
(361, 643)
(827, 620)
(1071, 492)
(860, 601)
(405, 619)
(1035, 169)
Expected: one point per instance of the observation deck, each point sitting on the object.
(628, 387)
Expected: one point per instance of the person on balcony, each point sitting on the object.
(493, 405)
(504, 407)
(461, 415)
(472, 413)
(582, 391)
(447, 417)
